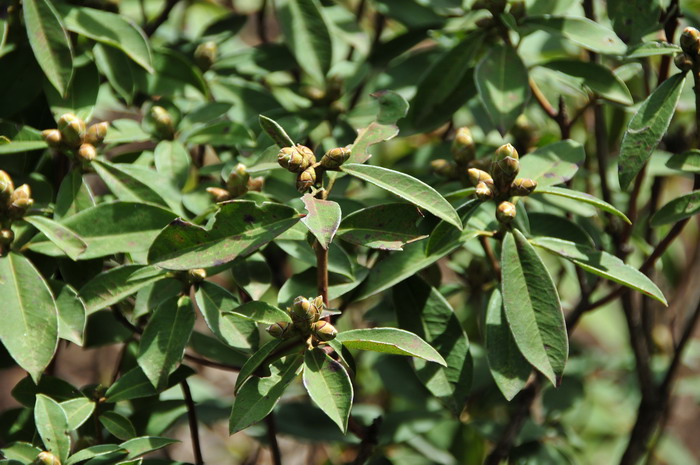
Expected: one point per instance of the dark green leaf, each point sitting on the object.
(647, 127)
(633, 19)
(253, 274)
(582, 197)
(687, 161)
(262, 312)
(29, 328)
(553, 164)
(677, 209)
(94, 451)
(74, 195)
(385, 227)
(49, 41)
(422, 310)
(124, 186)
(307, 36)
(114, 285)
(145, 444)
(258, 396)
(391, 341)
(65, 239)
(109, 228)
(164, 339)
(552, 225)
(598, 78)
(532, 307)
(12, 147)
(80, 97)
(213, 301)
(52, 426)
(408, 188)
(111, 29)
(254, 362)
(173, 160)
(602, 264)
(582, 31)
(134, 384)
(510, 370)
(118, 425)
(77, 411)
(240, 228)
(276, 132)
(118, 70)
(504, 89)
(329, 386)
(323, 218)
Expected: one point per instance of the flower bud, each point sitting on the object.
(683, 61)
(505, 166)
(290, 159)
(443, 168)
(256, 184)
(303, 313)
(7, 187)
(690, 41)
(205, 55)
(476, 176)
(463, 148)
(237, 182)
(196, 275)
(87, 152)
(20, 201)
(505, 212)
(163, 122)
(306, 179)
(52, 137)
(6, 236)
(96, 133)
(522, 186)
(281, 330)
(308, 156)
(484, 191)
(46, 458)
(323, 331)
(72, 129)
(318, 305)
(332, 159)
(218, 194)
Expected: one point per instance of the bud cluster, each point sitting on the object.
(75, 137)
(46, 458)
(306, 321)
(14, 203)
(690, 44)
(238, 183)
(501, 183)
(463, 154)
(302, 161)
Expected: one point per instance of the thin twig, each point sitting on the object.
(194, 426)
(272, 438)
(488, 250)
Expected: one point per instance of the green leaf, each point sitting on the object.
(65, 239)
(134, 384)
(602, 264)
(390, 341)
(598, 78)
(118, 425)
(96, 451)
(19, 453)
(173, 160)
(582, 31)
(110, 29)
(306, 34)
(688, 161)
(253, 363)
(503, 85)
(240, 227)
(371, 135)
(677, 209)
(253, 274)
(145, 444)
(446, 86)
(275, 131)
(582, 197)
(52, 426)
(12, 147)
(384, 227)
(323, 218)
(258, 396)
(646, 128)
(392, 106)
(118, 70)
(236, 331)
(421, 309)
(306, 283)
(553, 164)
(408, 188)
(532, 307)
(124, 186)
(633, 19)
(114, 285)
(560, 227)
(445, 237)
(77, 411)
(109, 228)
(49, 41)
(74, 195)
(71, 312)
(80, 97)
(29, 328)
(262, 312)
(329, 386)
(510, 370)
(653, 48)
(164, 339)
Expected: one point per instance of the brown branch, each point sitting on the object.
(192, 418)
(272, 438)
(322, 271)
(488, 250)
(369, 442)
